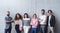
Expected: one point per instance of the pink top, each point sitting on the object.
(34, 22)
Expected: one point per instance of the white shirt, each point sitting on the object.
(42, 19)
(49, 21)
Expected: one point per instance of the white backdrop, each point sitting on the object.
(29, 6)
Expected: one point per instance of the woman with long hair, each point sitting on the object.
(18, 23)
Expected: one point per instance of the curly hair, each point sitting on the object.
(16, 18)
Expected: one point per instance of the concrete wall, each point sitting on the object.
(29, 6)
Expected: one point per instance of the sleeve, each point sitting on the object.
(6, 20)
(21, 24)
(12, 19)
(44, 20)
(54, 21)
(31, 22)
(39, 19)
(36, 24)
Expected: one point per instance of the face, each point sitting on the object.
(7, 13)
(49, 13)
(34, 16)
(25, 16)
(42, 12)
(17, 16)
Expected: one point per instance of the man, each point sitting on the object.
(42, 20)
(8, 20)
(51, 21)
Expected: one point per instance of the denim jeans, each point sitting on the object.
(33, 30)
(42, 29)
(8, 30)
(17, 29)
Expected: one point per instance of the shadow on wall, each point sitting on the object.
(56, 26)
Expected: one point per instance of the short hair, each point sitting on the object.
(8, 11)
(50, 11)
(43, 10)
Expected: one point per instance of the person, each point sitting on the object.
(34, 24)
(8, 21)
(18, 23)
(26, 23)
(42, 20)
(51, 21)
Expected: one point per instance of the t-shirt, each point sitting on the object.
(49, 21)
(42, 19)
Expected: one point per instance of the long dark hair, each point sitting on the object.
(26, 14)
(20, 17)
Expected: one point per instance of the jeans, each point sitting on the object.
(33, 30)
(17, 29)
(42, 29)
(8, 30)
(50, 29)
(26, 29)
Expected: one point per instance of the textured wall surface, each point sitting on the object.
(29, 6)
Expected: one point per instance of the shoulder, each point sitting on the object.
(45, 16)
(6, 17)
(53, 15)
(26, 18)
(20, 20)
(10, 16)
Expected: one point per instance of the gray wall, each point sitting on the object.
(29, 6)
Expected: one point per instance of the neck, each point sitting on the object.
(50, 15)
(43, 14)
(7, 15)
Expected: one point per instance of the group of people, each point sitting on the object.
(30, 25)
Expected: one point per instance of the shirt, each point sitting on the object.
(26, 21)
(49, 21)
(34, 22)
(8, 21)
(18, 22)
(42, 19)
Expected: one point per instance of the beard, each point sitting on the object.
(8, 14)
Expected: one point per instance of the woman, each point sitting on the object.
(26, 23)
(18, 23)
(34, 24)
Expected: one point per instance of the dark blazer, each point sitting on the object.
(52, 21)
